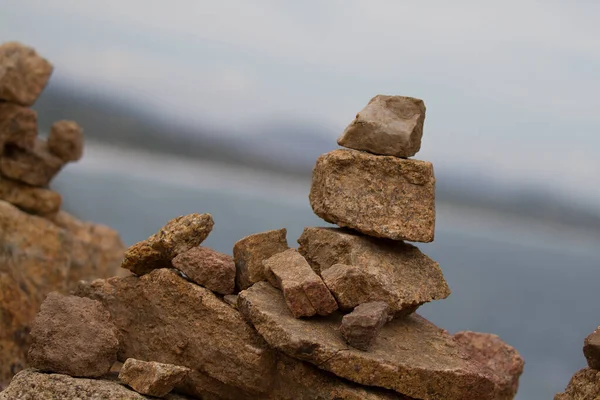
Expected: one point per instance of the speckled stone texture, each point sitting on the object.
(150, 377)
(591, 349)
(388, 125)
(34, 200)
(584, 385)
(66, 140)
(381, 196)
(361, 327)
(18, 126)
(209, 268)
(34, 167)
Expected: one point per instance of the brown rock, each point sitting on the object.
(32, 199)
(388, 125)
(74, 336)
(304, 291)
(231, 299)
(584, 385)
(209, 268)
(150, 377)
(591, 349)
(177, 236)
(361, 327)
(250, 252)
(66, 140)
(503, 360)
(358, 269)
(34, 167)
(163, 317)
(18, 126)
(412, 356)
(23, 73)
(380, 196)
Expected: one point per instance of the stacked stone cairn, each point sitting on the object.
(333, 319)
(585, 384)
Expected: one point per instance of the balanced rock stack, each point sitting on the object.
(585, 384)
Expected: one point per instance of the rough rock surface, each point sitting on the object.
(250, 252)
(361, 327)
(177, 236)
(584, 385)
(591, 349)
(23, 73)
(31, 384)
(32, 199)
(380, 196)
(304, 291)
(373, 269)
(66, 140)
(388, 125)
(34, 167)
(231, 299)
(503, 360)
(73, 336)
(209, 268)
(412, 356)
(163, 317)
(18, 126)
(150, 377)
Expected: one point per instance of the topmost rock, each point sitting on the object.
(388, 125)
(23, 73)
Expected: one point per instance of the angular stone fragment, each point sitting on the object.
(388, 125)
(361, 327)
(163, 317)
(503, 360)
(591, 349)
(66, 140)
(32, 199)
(380, 196)
(34, 167)
(23, 73)
(18, 126)
(304, 291)
(74, 336)
(358, 269)
(209, 268)
(150, 377)
(412, 356)
(584, 385)
(177, 236)
(250, 252)
(231, 299)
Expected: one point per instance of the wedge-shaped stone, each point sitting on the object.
(209, 268)
(380, 196)
(388, 125)
(34, 200)
(361, 327)
(591, 349)
(34, 167)
(411, 356)
(150, 377)
(584, 385)
(359, 269)
(18, 126)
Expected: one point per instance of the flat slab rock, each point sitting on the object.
(34, 167)
(591, 349)
(361, 327)
(411, 356)
(207, 267)
(360, 269)
(150, 377)
(584, 385)
(34, 200)
(381, 196)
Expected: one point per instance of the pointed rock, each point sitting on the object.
(18, 126)
(34, 167)
(591, 349)
(34, 200)
(584, 385)
(209, 268)
(361, 327)
(150, 377)
(66, 140)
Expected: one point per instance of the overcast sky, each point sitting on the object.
(511, 89)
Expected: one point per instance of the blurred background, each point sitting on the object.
(223, 107)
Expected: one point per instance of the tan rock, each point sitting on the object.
(23, 73)
(358, 269)
(591, 349)
(503, 360)
(34, 167)
(66, 140)
(250, 252)
(18, 126)
(361, 327)
(380, 196)
(584, 385)
(150, 377)
(412, 356)
(35, 200)
(304, 291)
(231, 299)
(177, 236)
(388, 125)
(73, 336)
(209, 268)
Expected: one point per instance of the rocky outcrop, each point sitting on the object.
(584, 385)
(151, 378)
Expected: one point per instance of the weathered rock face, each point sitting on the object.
(388, 125)
(503, 360)
(380, 196)
(209, 268)
(361, 327)
(584, 385)
(152, 378)
(66, 140)
(372, 269)
(250, 252)
(177, 236)
(163, 317)
(23, 73)
(412, 356)
(304, 291)
(34, 167)
(591, 349)
(35, 200)
(18, 126)
(73, 336)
